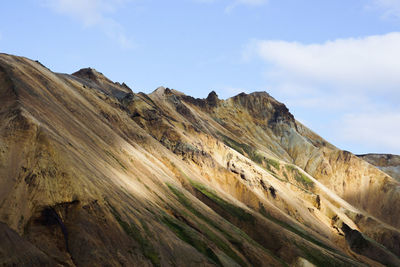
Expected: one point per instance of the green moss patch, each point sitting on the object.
(191, 237)
(221, 244)
(320, 259)
(134, 232)
(187, 203)
(233, 210)
(300, 177)
(242, 148)
(272, 163)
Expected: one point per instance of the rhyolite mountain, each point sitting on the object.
(93, 174)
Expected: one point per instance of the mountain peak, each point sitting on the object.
(94, 78)
(263, 106)
(90, 74)
(159, 90)
(165, 91)
(212, 99)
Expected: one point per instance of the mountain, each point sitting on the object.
(93, 174)
(386, 162)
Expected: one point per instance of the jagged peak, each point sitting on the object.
(212, 99)
(165, 91)
(90, 74)
(212, 95)
(262, 105)
(159, 90)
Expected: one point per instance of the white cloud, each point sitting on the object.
(350, 79)
(390, 8)
(94, 13)
(360, 63)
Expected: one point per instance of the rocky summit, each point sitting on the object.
(93, 174)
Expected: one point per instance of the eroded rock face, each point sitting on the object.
(92, 78)
(92, 173)
(262, 106)
(212, 99)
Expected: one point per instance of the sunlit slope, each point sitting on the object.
(94, 174)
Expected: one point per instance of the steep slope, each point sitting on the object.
(385, 162)
(94, 174)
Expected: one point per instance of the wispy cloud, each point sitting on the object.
(94, 13)
(352, 78)
(370, 63)
(390, 8)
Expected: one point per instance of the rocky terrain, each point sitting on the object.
(93, 174)
(386, 162)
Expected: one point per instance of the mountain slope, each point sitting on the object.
(388, 163)
(94, 174)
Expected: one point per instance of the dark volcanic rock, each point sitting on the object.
(212, 99)
(262, 106)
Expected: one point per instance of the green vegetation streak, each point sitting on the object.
(300, 177)
(191, 237)
(134, 232)
(243, 149)
(225, 205)
(272, 163)
(210, 235)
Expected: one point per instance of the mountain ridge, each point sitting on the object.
(214, 182)
(388, 163)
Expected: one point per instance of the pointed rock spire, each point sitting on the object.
(212, 99)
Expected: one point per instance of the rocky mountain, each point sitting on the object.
(93, 174)
(386, 162)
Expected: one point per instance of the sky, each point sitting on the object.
(334, 63)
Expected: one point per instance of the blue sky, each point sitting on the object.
(334, 63)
